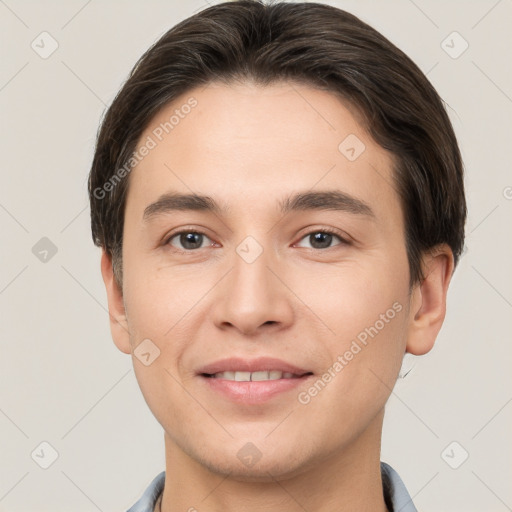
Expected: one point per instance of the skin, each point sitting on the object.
(248, 147)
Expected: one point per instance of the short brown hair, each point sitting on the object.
(309, 43)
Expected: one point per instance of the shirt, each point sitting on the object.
(395, 494)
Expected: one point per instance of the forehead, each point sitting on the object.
(246, 144)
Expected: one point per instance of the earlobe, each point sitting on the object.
(116, 309)
(428, 301)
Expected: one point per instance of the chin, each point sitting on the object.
(247, 463)
(260, 472)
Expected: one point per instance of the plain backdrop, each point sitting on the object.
(63, 382)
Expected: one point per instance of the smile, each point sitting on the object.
(241, 376)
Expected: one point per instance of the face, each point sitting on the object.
(295, 262)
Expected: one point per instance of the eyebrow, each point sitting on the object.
(301, 201)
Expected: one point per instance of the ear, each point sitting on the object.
(116, 309)
(428, 300)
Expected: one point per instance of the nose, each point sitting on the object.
(254, 297)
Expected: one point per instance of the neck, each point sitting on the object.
(346, 480)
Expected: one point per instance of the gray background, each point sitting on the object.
(62, 379)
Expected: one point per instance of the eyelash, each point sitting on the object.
(327, 231)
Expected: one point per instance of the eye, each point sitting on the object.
(322, 239)
(189, 240)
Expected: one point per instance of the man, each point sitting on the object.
(278, 194)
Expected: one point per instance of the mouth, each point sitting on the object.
(252, 381)
(258, 376)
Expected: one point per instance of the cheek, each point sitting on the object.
(350, 298)
(365, 309)
(158, 298)
(157, 311)
(165, 395)
(365, 354)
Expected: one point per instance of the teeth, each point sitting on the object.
(242, 376)
(254, 376)
(261, 376)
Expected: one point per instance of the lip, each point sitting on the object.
(251, 365)
(252, 392)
